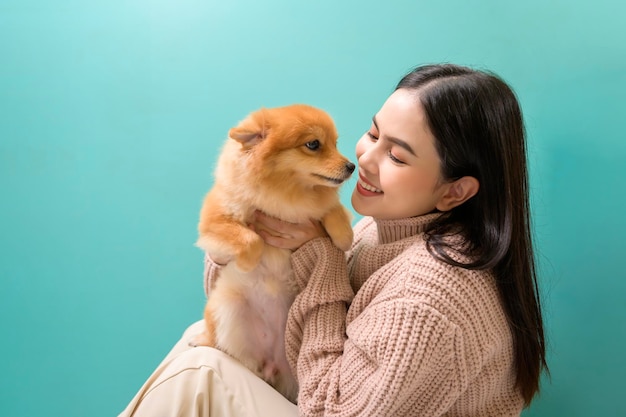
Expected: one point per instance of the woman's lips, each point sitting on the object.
(366, 188)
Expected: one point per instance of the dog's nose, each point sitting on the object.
(350, 167)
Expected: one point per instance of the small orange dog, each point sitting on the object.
(284, 162)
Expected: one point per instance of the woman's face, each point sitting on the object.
(399, 168)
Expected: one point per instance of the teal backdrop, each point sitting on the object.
(111, 118)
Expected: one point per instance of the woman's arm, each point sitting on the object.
(317, 318)
(398, 357)
(211, 271)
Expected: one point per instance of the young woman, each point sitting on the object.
(435, 310)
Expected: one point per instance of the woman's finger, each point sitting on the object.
(283, 234)
(276, 241)
(270, 222)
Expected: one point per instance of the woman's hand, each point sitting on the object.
(285, 235)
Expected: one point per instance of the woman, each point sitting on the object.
(435, 311)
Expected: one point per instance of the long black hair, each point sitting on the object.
(479, 131)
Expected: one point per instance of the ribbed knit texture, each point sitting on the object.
(391, 331)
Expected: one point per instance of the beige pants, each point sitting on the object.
(203, 382)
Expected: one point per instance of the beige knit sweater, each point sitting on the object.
(391, 331)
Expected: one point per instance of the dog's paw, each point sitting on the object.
(203, 339)
(204, 243)
(338, 226)
(343, 241)
(251, 256)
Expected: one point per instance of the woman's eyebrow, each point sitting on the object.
(395, 141)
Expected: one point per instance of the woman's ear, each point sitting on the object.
(457, 193)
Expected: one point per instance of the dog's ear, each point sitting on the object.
(246, 138)
(251, 130)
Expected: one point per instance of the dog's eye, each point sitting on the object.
(313, 145)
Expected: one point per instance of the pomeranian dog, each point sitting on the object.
(284, 162)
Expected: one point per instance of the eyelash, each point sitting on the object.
(393, 158)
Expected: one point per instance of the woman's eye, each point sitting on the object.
(371, 135)
(313, 145)
(394, 159)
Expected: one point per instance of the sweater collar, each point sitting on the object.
(390, 231)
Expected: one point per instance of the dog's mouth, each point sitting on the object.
(332, 180)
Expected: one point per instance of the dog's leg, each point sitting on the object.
(337, 223)
(206, 338)
(236, 241)
(226, 237)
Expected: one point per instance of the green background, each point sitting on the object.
(112, 114)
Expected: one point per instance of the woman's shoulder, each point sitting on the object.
(448, 288)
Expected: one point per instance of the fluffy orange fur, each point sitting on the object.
(284, 162)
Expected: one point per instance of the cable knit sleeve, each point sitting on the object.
(315, 334)
(398, 357)
(401, 358)
(211, 271)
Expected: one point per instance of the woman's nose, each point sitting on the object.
(367, 158)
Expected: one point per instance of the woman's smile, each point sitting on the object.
(365, 188)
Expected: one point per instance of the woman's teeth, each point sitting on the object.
(369, 187)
